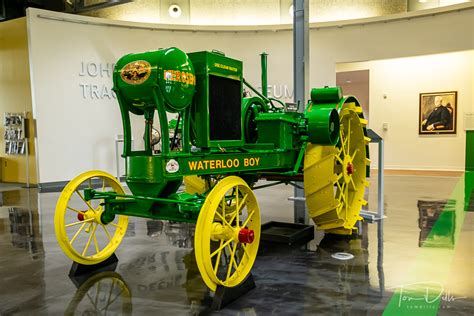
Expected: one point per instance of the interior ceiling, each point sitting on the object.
(10, 9)
(221, 12)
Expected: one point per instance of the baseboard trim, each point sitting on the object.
(431, 173)
(58, 186)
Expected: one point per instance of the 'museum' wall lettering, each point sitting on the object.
(279, 91)
(97, 90)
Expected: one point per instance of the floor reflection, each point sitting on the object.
(157, 272)
(21, 248)
(312, 279)
(443, 214)
(101, 294)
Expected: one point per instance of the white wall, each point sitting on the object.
(77, 134)
(401, 80)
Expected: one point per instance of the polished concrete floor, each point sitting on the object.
(418, 261)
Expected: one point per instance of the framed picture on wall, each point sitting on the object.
(438, 113)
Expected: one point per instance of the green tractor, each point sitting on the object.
(220, 145)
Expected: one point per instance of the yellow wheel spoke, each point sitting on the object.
(77, 223)
(106, 231)
(221, 247)
(115, 225)
(343, 142)
(73, 209)
(231, 220)
(244, 200)
(232, 259)
(355, 153)
(223, 219)
(87, 202)
(353, 184)
(248, 219)
(237, 198)
(77, 233)
(346, 196)
(237, 213)
(89, 241)
(349, 136)
(245, 250)
(224, 204)
(218, 259)
(339, 159)
(103, 185)
(342, 195)
(235, 261)
(340, 187)
(96, 244)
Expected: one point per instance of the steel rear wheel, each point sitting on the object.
(334, 176)
(227, 233)
(80, 231)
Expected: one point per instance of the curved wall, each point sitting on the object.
(81, 126)
(246, 12)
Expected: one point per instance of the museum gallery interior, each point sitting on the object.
(237, 157)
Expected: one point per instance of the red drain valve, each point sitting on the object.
(80, 216)
(350, 168)
(246, 236)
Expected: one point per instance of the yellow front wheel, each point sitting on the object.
(227, 233)
(80, 231)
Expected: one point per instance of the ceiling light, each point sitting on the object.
(174, 11)
(422, 1)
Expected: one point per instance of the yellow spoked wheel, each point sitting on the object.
(334, 176)
(227, 233)
(80, 231)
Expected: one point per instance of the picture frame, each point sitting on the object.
(438, 113)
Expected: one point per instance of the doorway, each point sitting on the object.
(356, 83)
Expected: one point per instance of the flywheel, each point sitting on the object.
(335, 176)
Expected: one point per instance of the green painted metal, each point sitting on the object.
(323, 124)
(267, 140)
(278, 129)
(209, 64)
(469, 150)
(137, 75)
(263, 64)
(326, 95)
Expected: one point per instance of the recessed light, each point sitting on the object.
(348, 81)
(174, 11)
(422, 1)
